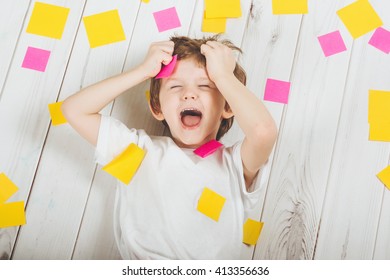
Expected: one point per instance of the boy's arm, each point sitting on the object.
(251, 114)
(81, 110)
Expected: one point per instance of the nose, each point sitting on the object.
(190, 94)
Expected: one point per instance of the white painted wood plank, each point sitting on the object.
(382, 245)
(66, 168)
(354, 196)
(12, 15)
(303, 155)
(23, 109)
(133, 110)
(268, 48)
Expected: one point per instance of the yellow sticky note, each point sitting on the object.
(378, 106)
(48, 20)
(213, 25)
(124, 166)
(104, 28)
(147, 95)
(145, 1)
(384, 176)
(7, 188)
(12, 214)
(56, 115)
(223, 8)
(281, 7)
(359, 18)
(380, 131)
(210, 203)
(252, 230)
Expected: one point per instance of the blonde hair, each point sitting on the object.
(190, 48)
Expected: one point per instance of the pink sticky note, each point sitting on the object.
(167, 19)
(208, 148)
(277, 91)
(381, 40)
(332, 43)
(36, 59)
(167, 70)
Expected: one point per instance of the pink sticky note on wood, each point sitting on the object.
(277, 91)
(167, 19)
(208, 148)
(332, 43)
(381, 40)
(167, 70)
(36, 59)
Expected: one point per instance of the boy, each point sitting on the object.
(156, 215)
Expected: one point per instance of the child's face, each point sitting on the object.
(191, 105)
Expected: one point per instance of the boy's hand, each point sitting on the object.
(159, 53)
(220, 60)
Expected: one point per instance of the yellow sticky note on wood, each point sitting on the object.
(56, 115)
(12, 214)
(213, 25)
(281, 7)
(211, 203)
(145, 1)
(380, 131)
(384, 176)
(359, 18)
(48, 20)
(252, 230)
(124, 166)
(223, 8)
(7, 188)
(104, 28)
(378, 106)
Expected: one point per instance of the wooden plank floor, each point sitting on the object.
(321, 199)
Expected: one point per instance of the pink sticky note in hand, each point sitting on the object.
(167, 70)
(332, 43)
(167, 19)
(208, 148)
(277, 91)
(36, 59)
(381, 40)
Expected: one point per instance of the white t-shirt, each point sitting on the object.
(156, 216)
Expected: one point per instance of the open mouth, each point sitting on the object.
(190, 117)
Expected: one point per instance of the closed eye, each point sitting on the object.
(205, 86)
(172, 87)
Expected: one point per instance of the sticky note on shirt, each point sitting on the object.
(280, 7)
(104, 28)
(332, 43)
(48, 20)
(252, 230)
(12, 214)
(56, 115)
(277, 91)
(166, 19)
(359, 18)
(210, 204)
(223, 8)
(166, 70)
(7, 188)
(36, 59)
(384, 176)
(381, 40)
(207, 148)
(213, 25)
(124, 166)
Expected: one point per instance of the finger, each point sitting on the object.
(204, 49)
(214, 44)
(166, 46)
(166, 58)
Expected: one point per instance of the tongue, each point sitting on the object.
(190, 121)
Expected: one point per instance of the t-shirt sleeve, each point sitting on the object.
(251, 199)
(114, 137)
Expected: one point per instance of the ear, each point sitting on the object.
(227, 114)
(158, 116)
